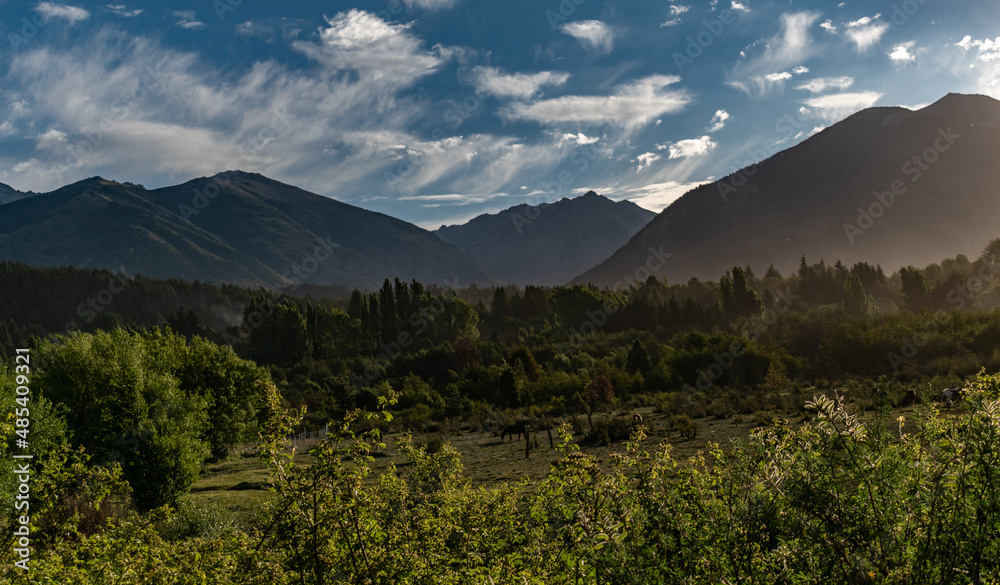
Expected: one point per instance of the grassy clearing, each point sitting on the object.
(238, 484)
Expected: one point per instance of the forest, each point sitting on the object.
(137, 384)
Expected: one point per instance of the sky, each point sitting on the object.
(435, 111)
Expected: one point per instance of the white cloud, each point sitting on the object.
(800, 70)
(901, 53)
(314, 129)
(718, 120)
(692, 147)
(592, 33)
(252, 28)
(678, 9)
(493, 81)
(430, 4)
(655, 196)
(671, 22)
(739, 6)
(70, 13)
(632, 104)
(866, 32)
(186, 19)
(987, 49)
(645, 160)
(829, 27)
(123, 11)
(775, 77)
(51, 140)
(817, 130)
(380, 51)
(835, 107)
(821, 84)
(578, 139)
(787, 49)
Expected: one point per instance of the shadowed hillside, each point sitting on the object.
(926, 182)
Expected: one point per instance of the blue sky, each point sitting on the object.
(435, 111)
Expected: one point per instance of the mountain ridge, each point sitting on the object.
(234, 227)
(548, 243)
(804, 200)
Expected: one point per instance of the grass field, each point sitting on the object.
(238, 484)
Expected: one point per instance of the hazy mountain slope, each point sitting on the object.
(8, 194)
(550, 243)
(940, 159)
(237, 227)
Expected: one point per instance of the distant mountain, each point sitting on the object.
(8, 194)
(887, 185)
(236, 227)
(550, 243)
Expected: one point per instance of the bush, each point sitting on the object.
(683, 424)
(610, 430)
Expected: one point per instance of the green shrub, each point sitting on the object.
(610, 430)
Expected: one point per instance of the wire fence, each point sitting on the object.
(309, 436)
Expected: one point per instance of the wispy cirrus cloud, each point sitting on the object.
(592, 33)
(430, 4)
(493, 81)
(866, 32)
(837, 106)
(314, 128)
(186, 19)
(676, 10)
(70, 13)
(123, 11)
(632, 104)
(822, 84)
(790, 47)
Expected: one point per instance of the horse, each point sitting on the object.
(951, 395)
(514, 429)
(637, 418)
(910, 398)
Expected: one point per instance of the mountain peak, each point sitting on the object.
(239, 174)
(969, 108)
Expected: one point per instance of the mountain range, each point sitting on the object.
(235, 227)
(887, 186)
(550, 243)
